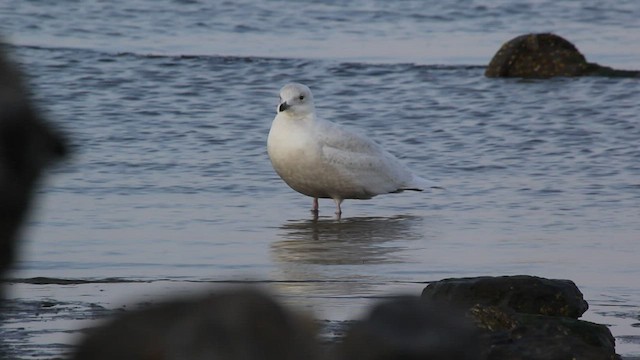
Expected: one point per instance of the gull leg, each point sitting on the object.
(338, 208)
(314, 209)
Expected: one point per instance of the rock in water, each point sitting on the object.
(527, 317)
(517, 336)
(523, 294)
(545, 55)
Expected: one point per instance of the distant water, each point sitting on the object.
(170, 191)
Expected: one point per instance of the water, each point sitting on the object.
(170, 191)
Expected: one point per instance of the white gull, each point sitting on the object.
(322, 159)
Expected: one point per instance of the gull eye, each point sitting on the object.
(301, 97)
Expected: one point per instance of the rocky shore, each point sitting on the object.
(526, 317)
(507, 317)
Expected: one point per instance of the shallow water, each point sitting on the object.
(170, 190)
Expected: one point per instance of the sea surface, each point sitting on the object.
(169, 190)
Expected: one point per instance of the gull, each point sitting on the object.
(322, 159)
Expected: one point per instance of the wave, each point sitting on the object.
(340, 66)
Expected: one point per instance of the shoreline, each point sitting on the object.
(44, 316)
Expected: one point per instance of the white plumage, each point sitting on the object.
(321, 159)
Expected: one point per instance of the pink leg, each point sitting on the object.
(315, 205)
(338, 208)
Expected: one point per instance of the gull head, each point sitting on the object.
(296, 100)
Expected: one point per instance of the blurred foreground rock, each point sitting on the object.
(240, 324)
(545, 55)
(27, 146)
(248, 324)
(407, 328)
(526, 317)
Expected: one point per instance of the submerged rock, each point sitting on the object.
(408, 328)
(545, 55)
(527, 317)
(239, 324)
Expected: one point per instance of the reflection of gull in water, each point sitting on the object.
(365, 240)
(342, 262)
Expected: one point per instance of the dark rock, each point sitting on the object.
(240, 324)
(27, 145)
(527, 317)
(407, 328)
(524, 294)
(538, 337)
(545, 55)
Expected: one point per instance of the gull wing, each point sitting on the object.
(362, 162)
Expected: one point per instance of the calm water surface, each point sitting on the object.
(170, 190)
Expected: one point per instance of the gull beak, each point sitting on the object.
(283, 106)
